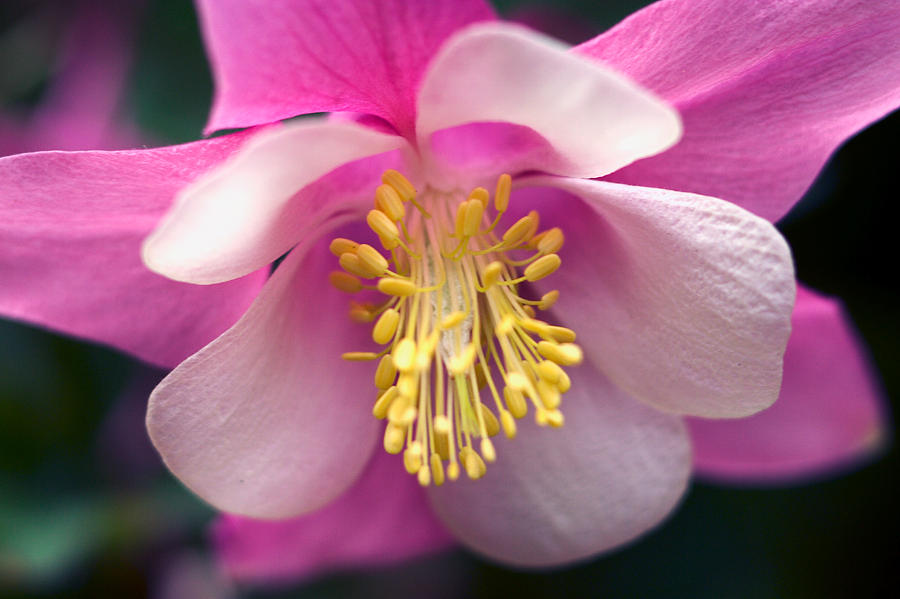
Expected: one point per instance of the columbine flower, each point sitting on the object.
(681, 302)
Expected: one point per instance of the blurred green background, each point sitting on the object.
(86, 509)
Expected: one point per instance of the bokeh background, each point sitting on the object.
(87, 510)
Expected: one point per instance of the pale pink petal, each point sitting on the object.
(553, 496)
(682, 300)
(253, 208)
(828, 413)
(767, 90)
(274, 59)
(267, 420)
(383, 518)
(594, 120)
(71, 226)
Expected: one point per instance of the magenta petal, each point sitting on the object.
(614, 471)
(767, 90)
(70, 234)
(267, 420)
(279, 58)
(827, 415)
(383, 518)
(682, 300)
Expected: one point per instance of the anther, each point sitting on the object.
(383, 403)
(453, 319)
(549, 371)
(371, 259)
(481, 194)
(382, 225)
(353, 265)
(560, 334)
(491, 425)
(388, 201)
(491, 273)
(509, 424)
(404, 354)
(340, 246)
(385, 373)
(474, 212)
(437, 470)
(518, 231)
(394, 436)
(344, 281)
(517, 381)
(488, 451)
(386, 326)
(501, 196)
(548, 299)
(396, 287)
(358, 356)
(551, 242)
(515, 401)
(542, 267)
(461, 362)
(549, 394)
(401, 184)
(564, 354)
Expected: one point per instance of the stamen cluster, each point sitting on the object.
(453, 324)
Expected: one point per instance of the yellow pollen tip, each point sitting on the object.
(517, 381)
(340, 246)
(379, 222)
(542, 267)
(453, 471)
(491, 425)
(559, 334)
(386, 326)
(394, 436)
(501, 196)
(437, 470)
(481, 194)
(352, 264)
(515, 401)
(359, 356)
(548, 299)
(474, 213)
(564, 354)
(424, 476)
(396, 287)
(518, 231)
(344, 281)
(388, 201)
(385, 373)
(401, 184)
(551, 242)
(404, 354)
(488, 451)
(461, 362)
(383, 403)
(371, 259)
(453, 319)
(509, 424)
(491, 274)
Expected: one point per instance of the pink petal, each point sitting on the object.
(383, 518)
(276, 59)
(594, 120)
(70, 235)
(767, 90)
(267, 420)
(828, 413)
(615, 470)
(682, 300)
(253, 208)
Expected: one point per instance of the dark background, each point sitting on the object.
(86, 510)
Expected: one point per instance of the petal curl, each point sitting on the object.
(253, 208)
(594, 120)
(70, 234)
(828, 414)
(614, 471)
(383, 518)
(267, 420)
(682, 300)
(274, 59)
(767, 90)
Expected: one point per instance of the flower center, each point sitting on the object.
(458, 336)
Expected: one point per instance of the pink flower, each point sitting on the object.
(681, 302)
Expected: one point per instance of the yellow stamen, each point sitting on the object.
(464, 354)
